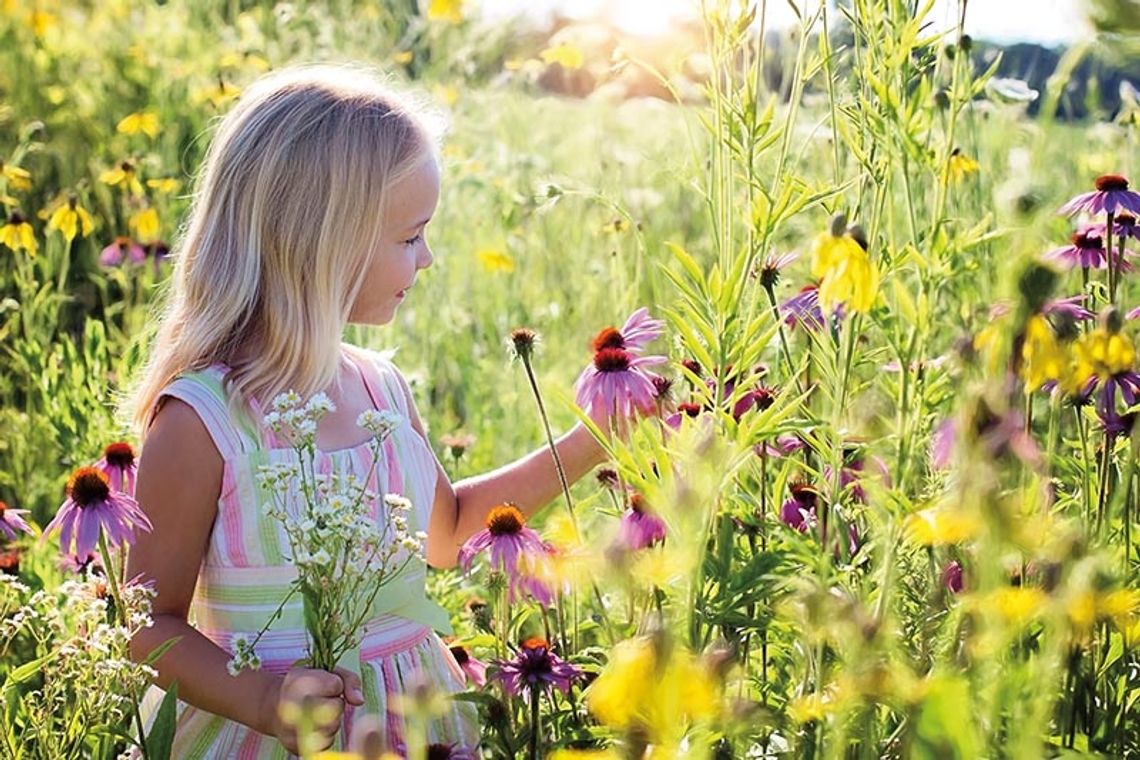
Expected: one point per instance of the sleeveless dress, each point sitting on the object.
(246, 573)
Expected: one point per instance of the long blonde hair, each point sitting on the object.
(286, 211)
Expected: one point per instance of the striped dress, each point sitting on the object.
(246, 573)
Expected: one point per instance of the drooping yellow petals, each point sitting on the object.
(495, 260)
(961, 165)
(1103, 353)
(450, 11)
(1043, 356)
(70, 219)
(164, 184)
(18, 235)
(125, 176)
(941, 527)
(141, 121)
(848, 276)
(145, 223)
(19, 179)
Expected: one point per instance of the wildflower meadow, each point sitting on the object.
(853, 315)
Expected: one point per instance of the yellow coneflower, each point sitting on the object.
(1043, 356)
(19, 179)
(847, 275)
(564, 54)
(145, 223)
(164, 184)
(961, 165)
(450, 11)
(495, 260)
(70, 219)
(18, 234)
(124, 175)
(141, 121)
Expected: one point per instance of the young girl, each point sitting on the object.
(309, 214)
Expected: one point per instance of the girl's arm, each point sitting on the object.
(179, 482)
(460, 510)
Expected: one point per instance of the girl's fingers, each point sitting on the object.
(353, 688)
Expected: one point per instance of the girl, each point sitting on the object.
(309, 214)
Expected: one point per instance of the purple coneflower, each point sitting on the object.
(70, 563)
(804, 308)
(92, 507)
(1071, 307)
(511, 543)
(11, 522)
(616, 382)
(1128, 384)
(760, 398)
(474, 669)
(450, 752)
(1111, 196)
(122, 248)
(683, 410)
(952, 577)
(942, 444)
(638, 331)
(118, 463)
(640, 526)
(1085, 250)
(799, 511)
(536, 667)
(1124, 226)
(770, 271)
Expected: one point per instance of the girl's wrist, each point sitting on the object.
(267, 714)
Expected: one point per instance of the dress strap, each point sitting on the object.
(204, 391)
(379, 390)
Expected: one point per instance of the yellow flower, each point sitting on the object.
(1017, 605)
(142, 121)
(812, 707)
(40, 22)
(450, 11)
(402, 56)
(583, 754)
(164, 185)
(19, 179)
(125, 176)
(848, 276)
(940, 527)
(961, 165)
(617, 225)
(637, 691)
(217, 95)
(1103, 353)
(446, 93)
(70, 219)
(145, 224)
(495, 260)
(564, 54)
(1043, 357)
(18, 234)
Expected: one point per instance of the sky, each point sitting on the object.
(1049, 22)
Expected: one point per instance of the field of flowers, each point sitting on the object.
(886, 502)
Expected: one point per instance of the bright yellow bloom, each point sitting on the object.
(583, 754)
(142, 121)
(125, 176)
(961, 165)
(70, 219)
(495, 260)
(450, 11)
(217, 95)
(164, 185)
(1017, 605)
(1103, 353)
(940, 527)
(1043, 356)
(566, 55)
(18, 234)
(145, 224)
(19, 179)
(637, 691)
(848, 276)
(40, 22)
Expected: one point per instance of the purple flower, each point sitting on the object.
(799, 511)
(510, 542)
(638, 331)
(120, 248)
(942, 444)
(118, 463)
(804, 307)
(616, 382)
(770, 271)
(1128, 384)
(11, 522)
(536, 667)
(683, 411)
(1071, 307)
(758, 398)
(1124, 226)
(952, 577)
(640, 527)
(474, 669)
(1111, 195)
(92, 507)
(1086, 250)
(450, 752)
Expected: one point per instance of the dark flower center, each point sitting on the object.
(505, 520)
(523, 339)
(804, 493)
(608, 477)
(16, 218)
(763, 397)
(88, 486)
(662, 386)
(612, 360)
(692, 365)
(1124, 219)
(119, 454)
(460, 655)
(3, 508)
(637, 504)
(692, 410)
(1108, 182)
(127, 167)
(609, 337)
(1088, 241)
(536, 642)
(439, 752)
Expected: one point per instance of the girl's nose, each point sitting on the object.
(426, 257)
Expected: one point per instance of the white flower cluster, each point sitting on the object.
(296, 421)
(379, 423)
(244, 657)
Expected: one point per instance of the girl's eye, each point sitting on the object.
(414, 240)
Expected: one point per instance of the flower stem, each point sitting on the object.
(121, 614)
(550, 439)
(534, 723)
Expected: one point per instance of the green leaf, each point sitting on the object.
(160, 740)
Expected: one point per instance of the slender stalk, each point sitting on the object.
(525, 356)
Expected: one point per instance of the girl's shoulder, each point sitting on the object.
(385, 371)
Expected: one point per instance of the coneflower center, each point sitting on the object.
(505, 520)
(1107, 182)
(119, 455)
(88, 486)
(804, 493)
(609, 337)
(3, 508)
(637, 504)
(460, 655)
(692, 410)
(612, 360)
(1088, 241)
(536, 642)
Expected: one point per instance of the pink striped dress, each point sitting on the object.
(246, 573)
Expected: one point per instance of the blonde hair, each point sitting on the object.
(286, 211)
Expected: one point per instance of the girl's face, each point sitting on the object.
(404, 251)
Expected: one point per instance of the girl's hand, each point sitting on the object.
(321, 695)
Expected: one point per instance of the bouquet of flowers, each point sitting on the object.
(343, 553)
